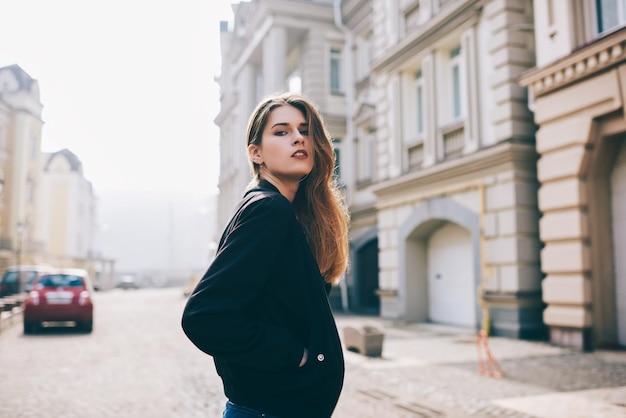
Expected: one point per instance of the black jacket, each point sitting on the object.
(260, 303)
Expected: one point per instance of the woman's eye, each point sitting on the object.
(304, 132)
(280, 133)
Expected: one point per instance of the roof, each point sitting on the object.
(75, 163)
(24, 80)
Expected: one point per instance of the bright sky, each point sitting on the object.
(127, 85)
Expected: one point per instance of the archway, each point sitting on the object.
(414, 235)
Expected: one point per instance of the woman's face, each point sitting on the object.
(286, 151)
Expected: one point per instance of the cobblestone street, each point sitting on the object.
(138, 363)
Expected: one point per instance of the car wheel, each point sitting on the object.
(30, 327)
(86, 326)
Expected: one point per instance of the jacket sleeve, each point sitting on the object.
(215, 317)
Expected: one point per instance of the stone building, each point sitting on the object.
(578, 96)
(435, 139)
(274, 45)
(68, 218)
(21, 239)
(47, 207)
(450, 192)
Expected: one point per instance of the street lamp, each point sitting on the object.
(19, 231)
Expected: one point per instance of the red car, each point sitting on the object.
(62, 296)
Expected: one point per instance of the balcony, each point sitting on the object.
(453, 138)
(415, 153)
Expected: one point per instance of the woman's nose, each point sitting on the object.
(298, 137)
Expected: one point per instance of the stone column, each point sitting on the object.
(275, 61)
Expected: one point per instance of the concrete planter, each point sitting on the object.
(366, 340)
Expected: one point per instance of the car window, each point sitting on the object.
(61, 280)
(26, 276)
(10, 277)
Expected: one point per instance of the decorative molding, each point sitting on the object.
(457, 168)
(354, 11)
(596, 57)
(466, 13)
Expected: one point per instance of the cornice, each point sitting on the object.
(439, 26)
(363, 210)
(474, 164)
(354, 11)
(594, 58)
(226, 107)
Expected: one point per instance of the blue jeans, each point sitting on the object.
(237, 411)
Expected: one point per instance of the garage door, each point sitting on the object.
(451, 289)
(618, 193)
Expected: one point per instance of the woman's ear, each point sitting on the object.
(254, 154)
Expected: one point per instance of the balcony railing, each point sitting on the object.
(415, 156)
(453, 137)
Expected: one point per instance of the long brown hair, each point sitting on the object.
(319, 204)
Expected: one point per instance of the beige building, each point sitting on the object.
(445, 163)
(68, 218)
(21, 239)
(274, 45)
(436, 148)
(47, 207)
(578, 96)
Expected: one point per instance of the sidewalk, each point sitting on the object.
(430, 370)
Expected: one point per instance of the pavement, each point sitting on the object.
(425, 370)
(428, 370)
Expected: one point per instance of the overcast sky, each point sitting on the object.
(127, 85)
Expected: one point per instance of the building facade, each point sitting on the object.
(20, 161)
(578, 98)
(451, 183)
(435, 139)
(47, 207)
(273, 46)
(68, 218)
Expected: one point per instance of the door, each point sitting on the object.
(451, 289)
(618, 197)
(367, 280)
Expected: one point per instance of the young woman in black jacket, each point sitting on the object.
(261, 310)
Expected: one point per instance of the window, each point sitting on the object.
(610, 14)
(414, 109)
(335, 71)
(365, 154)
(337, 151)
(30, 190)
(34, 146)
(364, 56)
(420, 117)
(455, 83)
(294, 83)
(259, 87)
(414, 118)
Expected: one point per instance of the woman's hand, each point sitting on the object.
(305, 357)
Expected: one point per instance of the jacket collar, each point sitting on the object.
(263, 185)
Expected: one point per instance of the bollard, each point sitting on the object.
(490, 366)
(367, 340)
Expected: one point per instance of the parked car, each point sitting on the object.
(128, 282)
(62, 296)
(18, 279)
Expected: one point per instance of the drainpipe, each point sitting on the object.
(348, 146)
(486, 271)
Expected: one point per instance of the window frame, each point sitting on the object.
(336, 70)
(365, 154)
(598, 15)
(456, 84)
(419, 95)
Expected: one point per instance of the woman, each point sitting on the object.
(261, 309)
